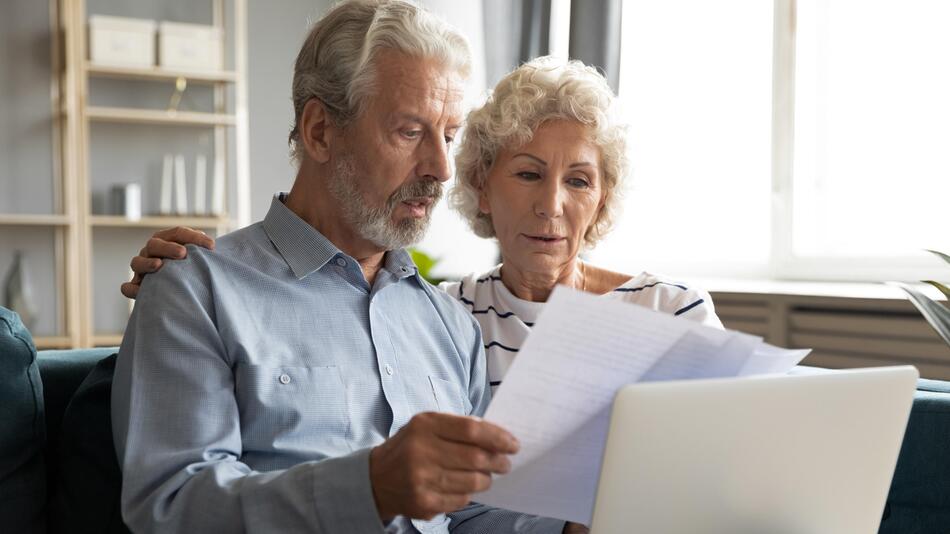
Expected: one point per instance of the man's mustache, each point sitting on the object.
(422, 189)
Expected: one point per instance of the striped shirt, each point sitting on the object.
(506, 320)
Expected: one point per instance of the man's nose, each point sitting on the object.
(436, 163)
(549, 203)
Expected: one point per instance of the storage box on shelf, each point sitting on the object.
(121, 41)
(190, 46)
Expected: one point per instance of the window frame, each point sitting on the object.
(784, 264)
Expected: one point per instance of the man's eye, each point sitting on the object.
(412, 134)
(528, 175)
(449, 140)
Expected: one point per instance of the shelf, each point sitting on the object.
(52, 342)
(107, 340)
(157, 116)
(160, 74)
(33, 220)
(158, 221)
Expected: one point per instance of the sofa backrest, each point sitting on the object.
(23, 434)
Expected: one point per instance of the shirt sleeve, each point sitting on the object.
(178, 435)
(479, 392)
(697, 305)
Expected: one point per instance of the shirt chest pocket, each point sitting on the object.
(445, 396)
(282, 405)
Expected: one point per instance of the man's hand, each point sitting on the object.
(168, 243)
(434, 464)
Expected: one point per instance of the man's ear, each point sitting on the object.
(316, 130)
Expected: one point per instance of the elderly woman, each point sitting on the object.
(539, 168)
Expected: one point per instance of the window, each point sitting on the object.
(871, 174)
(817, 154)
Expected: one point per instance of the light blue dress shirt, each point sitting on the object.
(254, 379)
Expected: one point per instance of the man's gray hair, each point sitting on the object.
(336, 62)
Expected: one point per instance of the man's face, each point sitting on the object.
(388, 174)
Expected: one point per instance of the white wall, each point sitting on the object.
(449, 238)
(276, 29)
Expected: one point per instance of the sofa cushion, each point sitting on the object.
(22, 439)
(62, 371)
(86, 494)
(919, 499)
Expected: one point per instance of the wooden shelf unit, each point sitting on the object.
(33, 220)
(75, 222)
(160, 74)
(52, 342)
(158, 116)
(107, 340)
(159, 221)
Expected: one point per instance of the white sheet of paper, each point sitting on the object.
(556, 396)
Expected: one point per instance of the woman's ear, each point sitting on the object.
(483, 205)
(316, 130)
(603, 203)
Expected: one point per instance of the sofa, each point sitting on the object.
(58, 470)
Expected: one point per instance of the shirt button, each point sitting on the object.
(341, 262)
(389, 369)
(284, 379)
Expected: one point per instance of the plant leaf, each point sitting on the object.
(423, 262)
(943, 289)
(939, 254)
(936, 315)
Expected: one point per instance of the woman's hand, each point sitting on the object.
(575, 528)
(168, 243)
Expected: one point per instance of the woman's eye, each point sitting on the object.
(578, 182)
(412, 134)
(448, 140)
(528, 175)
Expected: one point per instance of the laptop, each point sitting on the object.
(803, 454)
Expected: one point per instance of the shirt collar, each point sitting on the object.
(306, 250)
(400, 264)
(303, 248)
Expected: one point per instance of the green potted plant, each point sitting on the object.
(936, 314)
(425, 263)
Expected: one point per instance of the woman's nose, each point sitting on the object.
(548, 204)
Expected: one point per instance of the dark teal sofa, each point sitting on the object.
(58, 471)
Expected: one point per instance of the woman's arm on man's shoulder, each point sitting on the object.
(164, 244)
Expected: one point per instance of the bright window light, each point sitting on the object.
(695, 83)
(872, 128)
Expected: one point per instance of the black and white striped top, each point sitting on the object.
(506, 319)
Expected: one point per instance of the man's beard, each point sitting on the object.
(374, 223)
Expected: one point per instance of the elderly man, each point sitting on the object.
(302, 377)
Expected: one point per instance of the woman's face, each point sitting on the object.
(544, 195)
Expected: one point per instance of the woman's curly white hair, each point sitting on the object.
(540, 90)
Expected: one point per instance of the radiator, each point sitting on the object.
(843, 332)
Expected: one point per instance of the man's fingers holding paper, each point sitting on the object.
(462, 483)
(435, 462)
(471, 458)
(474, 431)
